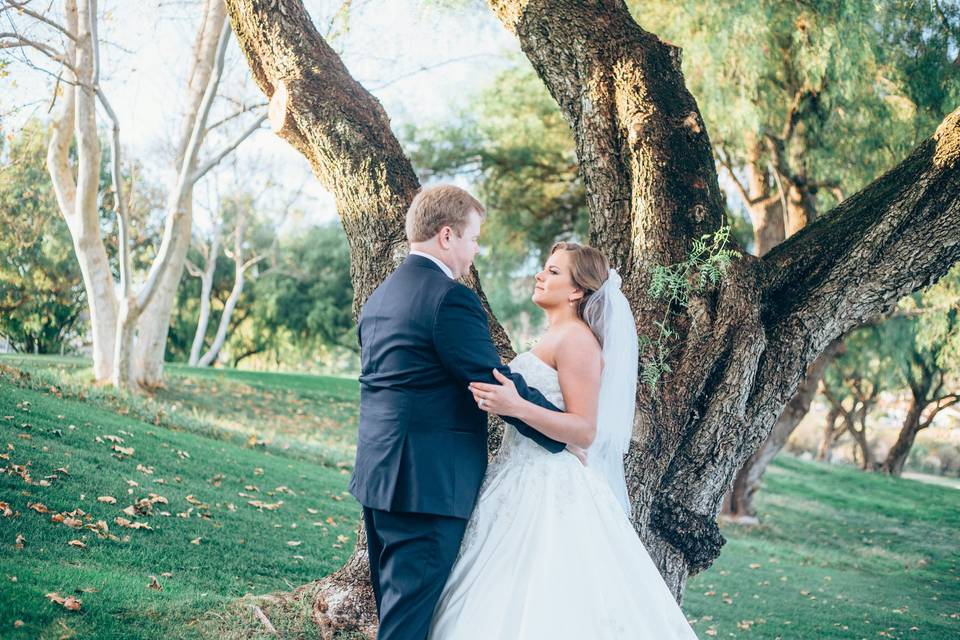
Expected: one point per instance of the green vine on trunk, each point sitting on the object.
(705, 266)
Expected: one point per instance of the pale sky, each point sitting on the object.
(421, 59)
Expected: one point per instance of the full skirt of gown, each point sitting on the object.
(549, 553)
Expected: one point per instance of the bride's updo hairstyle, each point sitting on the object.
(589, 269)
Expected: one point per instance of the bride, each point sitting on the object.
(549, 551)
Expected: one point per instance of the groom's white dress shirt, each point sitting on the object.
(438, 261)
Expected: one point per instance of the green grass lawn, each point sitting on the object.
(207, 545)
(839, 553)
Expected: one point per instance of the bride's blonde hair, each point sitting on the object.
(589, 269)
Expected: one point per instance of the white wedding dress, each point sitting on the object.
(549, 553)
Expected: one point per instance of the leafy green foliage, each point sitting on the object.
(308, 298)
(41, 290)
(882, 76)
(674, 284)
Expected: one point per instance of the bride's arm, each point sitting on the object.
(579, 364)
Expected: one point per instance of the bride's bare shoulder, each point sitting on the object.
(577, 344)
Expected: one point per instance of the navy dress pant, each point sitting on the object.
(411, 555)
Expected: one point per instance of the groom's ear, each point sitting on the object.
(443, 236)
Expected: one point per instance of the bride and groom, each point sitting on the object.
(538, 545)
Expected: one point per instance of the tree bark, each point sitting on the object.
(738, 504)
(652, 188)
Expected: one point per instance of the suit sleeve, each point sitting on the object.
(462, 339)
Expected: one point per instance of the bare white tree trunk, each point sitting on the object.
(206, 288)
(154, 322)
(239, 280)
(77, 197)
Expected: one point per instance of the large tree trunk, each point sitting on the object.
(738, 504)
(154, 322)
(652, 188)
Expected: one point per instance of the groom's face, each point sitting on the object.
(463, 247)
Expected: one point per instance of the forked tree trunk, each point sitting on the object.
(897, 456)
(923, 394)
(652, 189)
(154, 323)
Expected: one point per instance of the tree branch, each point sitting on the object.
(849, 266)
(22, 7)
(183, 180)
(202, 171)
(236, 114)
(19, 42)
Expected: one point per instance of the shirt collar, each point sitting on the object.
(436, 260)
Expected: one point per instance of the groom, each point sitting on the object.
(422, 443)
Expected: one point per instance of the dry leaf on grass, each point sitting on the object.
(39, 507)
(195, 541)
(5, 509)
(123, 522)
(269, 506)
(154, 584)
(78, 544)
(107, 499)
(70, 603)
(20, 541)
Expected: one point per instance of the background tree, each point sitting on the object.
(116, 316)
(925, 347)
(41, 290)
(852, 386)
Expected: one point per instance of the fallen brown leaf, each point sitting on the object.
(78, 544)
(123, 522)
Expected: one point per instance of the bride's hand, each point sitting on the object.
(579, 452)
(501, 399)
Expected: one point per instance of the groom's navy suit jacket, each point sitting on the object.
(422, 443)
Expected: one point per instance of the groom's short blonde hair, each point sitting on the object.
(439, 206)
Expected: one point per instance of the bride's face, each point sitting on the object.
(554, 286)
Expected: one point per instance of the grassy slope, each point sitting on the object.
(241, 548)
(841, 554)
